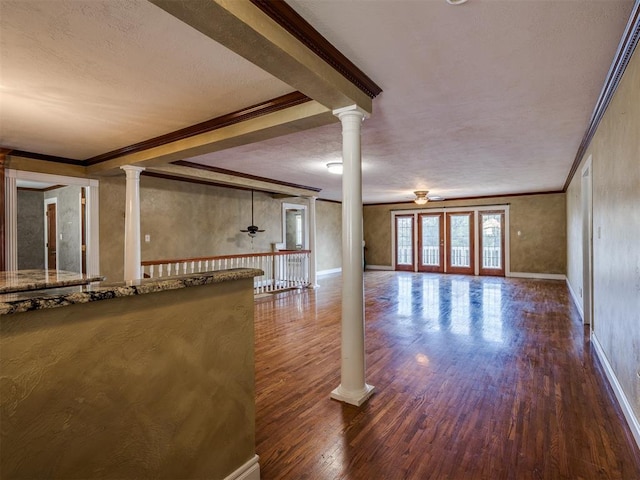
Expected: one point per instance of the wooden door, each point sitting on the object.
(492, 243)
(431, 242)
(83, 228)
(460, 257)
(404, 243)
(52, 251)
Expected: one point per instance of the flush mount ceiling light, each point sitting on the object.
(456, 2)
(335, 167)
(421, 197)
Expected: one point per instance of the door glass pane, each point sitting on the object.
(491, 240)
(404, 231)
(460, 241)
(431, 240)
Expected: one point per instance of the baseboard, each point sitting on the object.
(632, 421)
(248, 471)
(543, 276)
(329, 271)
(576, 301)
(379, 267)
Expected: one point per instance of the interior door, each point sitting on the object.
(404, 242)
(431, 242)
(52, 246)
(460, 258)
(492, 243)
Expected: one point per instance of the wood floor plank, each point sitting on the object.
(476, 378)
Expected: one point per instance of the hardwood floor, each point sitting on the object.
(476, 378)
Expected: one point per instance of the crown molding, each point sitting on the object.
(292, 22)
(622, 57)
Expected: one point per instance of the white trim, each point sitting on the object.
(543, 276)
(248, 471)
(329, 271)
(576, 299)
(379, 267)
(11, 217)
(305, 222)
(623, 401)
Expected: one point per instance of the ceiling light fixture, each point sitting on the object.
(335, 167)
(456, 2)
(421, 197)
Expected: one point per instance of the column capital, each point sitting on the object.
(351, 110)
(132, 169)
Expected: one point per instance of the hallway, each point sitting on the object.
(475, 377)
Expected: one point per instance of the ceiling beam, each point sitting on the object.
(245, 29)
(217, 178)
(290, 120)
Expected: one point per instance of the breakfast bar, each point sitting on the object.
(148, 379)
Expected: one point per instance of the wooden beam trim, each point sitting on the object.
(264, 108)
(292, 22)
(224, 171)
(460, 199)
(627, 46)
(46, 158)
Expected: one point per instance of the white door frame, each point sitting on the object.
(587, 243)
(11, 214)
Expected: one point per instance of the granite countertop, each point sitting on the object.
(25, 301)
(25, 280)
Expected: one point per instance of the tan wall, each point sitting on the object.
(150, 386)
(541, 220)
(329, 235)
(615, 153)
(191, 220)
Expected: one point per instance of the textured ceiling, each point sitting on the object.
(83, 77)
(490, 97)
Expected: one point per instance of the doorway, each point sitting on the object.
(491, 249)
(458, 240)
(404, 242)
(431, 242)
(51, 234)
(460, 251)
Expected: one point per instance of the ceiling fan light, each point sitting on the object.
(335, 168)
(421, 197)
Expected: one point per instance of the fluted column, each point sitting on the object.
(353, 389)
(132, 224)
(313, 260)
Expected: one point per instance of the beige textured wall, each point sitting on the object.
(191, 220)
(329, 235)
(541, 219)
(151, 386)
(615, 151)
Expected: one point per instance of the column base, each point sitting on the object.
(353, 398)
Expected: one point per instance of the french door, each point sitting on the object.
(460, 254)
(404, 243)
(463, 242)
(491, 243)
(431, 242)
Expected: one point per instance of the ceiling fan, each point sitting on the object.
(252, 229)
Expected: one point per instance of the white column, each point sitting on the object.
(132, 224)
(353, 388)
(11, 220)
(313, 260)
